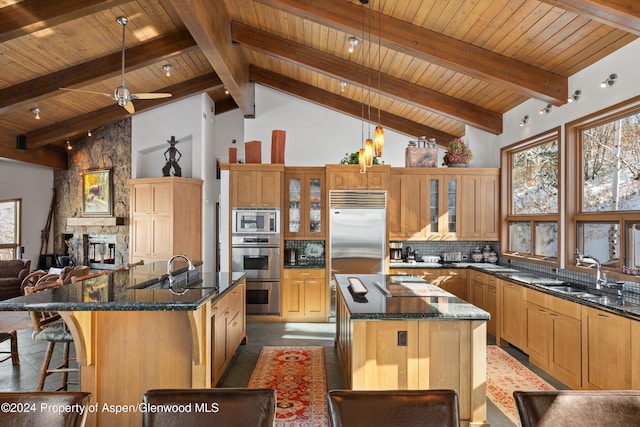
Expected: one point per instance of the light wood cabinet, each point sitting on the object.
(255, 186)
(483, 294)
(553, 338)
(304, 295)
(406, 205)
(165, 218)
(348, 177)
(479, 213)
(304, 210)
(228, 320)
(606, 350)
(635, 355)
(512, 313)
(453, 280)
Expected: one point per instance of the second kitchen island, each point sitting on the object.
(406, 334)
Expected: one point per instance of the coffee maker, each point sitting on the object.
(395, 251)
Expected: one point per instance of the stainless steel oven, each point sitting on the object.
(255, 221)
(258, 256)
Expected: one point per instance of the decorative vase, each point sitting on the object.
(476, 256)
(458, 165)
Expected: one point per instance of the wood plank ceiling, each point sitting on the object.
(420, 67)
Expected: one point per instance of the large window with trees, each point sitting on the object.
(532, 224)
(9, 228)
(605, 179)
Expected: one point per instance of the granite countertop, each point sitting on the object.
(411, 298)
(599, 298)
(142, 288)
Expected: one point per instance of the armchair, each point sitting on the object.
(12, 273)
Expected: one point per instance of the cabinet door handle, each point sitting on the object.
(553, 315)
(541, 311)
(603, 315)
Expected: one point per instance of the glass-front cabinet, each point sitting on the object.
(304, 213)
(443, 206)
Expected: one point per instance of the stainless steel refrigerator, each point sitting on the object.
(357, 234)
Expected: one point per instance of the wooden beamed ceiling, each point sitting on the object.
(430, 68)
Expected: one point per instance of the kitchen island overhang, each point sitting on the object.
(432, 340)
(130, 337)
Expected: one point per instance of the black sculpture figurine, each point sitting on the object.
(172, 155)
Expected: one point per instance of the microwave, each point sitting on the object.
(255, 221)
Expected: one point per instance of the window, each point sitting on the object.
(606, 181)
(532, 223)
(10, 219)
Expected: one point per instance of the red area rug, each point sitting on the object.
(299, 377)
(505, 375)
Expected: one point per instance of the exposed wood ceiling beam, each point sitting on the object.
(99, 69)
(51, 156)
(622, 14)
(433, 47)
(208, 23)
(28, 16)
(390, 86)
(344, 105)
(227, 104)
(78, 125)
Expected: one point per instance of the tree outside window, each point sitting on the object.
(9, 228)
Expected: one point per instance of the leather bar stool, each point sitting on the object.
(39, 408)
(392, 408)
(229, 407)
(569, 408)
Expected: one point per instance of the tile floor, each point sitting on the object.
(25, 376)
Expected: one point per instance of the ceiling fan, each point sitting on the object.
(122, 95)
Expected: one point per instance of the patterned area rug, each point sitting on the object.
(505, 375)
(298, 375)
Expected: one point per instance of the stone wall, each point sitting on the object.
(107, 148)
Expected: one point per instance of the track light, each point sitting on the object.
(226, 91)
(609, 81)
(353, 42)
(36, 111)
(89, 132)
(343, 85)
(575, 96)
(546, 109)
(69, 147)
(524, 121)
(167, 70)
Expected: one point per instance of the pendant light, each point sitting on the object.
(363, 160)
(378, 134)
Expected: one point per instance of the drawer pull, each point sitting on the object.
(603, 315)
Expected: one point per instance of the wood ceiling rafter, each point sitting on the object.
(28, 16)
(345, 105)
(50, 156)
(345, 70)
(96, 70)
(208, 23)
(435, 48)
(77, 126)
(622, 14)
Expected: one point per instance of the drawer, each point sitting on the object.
(536, 297)
(220, 306)
(565, 307)
(236, 300)
(302, 273)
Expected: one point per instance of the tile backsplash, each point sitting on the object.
(437, 248)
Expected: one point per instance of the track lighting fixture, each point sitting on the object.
(353, 42)
(69, 147)
(546, 109)
(167, 70)
(343, 85)
(226, 91)
(524, 121)
(575, 96)
(609, 81)
(36, 111)
(89, 132)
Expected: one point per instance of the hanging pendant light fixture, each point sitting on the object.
(369, 152)
(362, 155)
(378, 134)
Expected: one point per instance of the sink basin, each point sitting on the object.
(578, 292)
(612, 301)
(183, 281)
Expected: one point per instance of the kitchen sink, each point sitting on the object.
(612, 301)
(577, 292)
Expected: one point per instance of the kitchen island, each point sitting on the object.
(132, 333)
(402, 333)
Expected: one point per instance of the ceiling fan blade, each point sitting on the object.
(87, 91)
(129, 107)
(156, 95)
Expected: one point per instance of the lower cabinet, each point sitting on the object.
(304, 295)
(483, 294)
(606, 350)
(453, 280)
(511, 306)
(553, 338)
(228, 322)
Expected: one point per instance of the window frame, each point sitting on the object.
(574, 174)
(18, 228)
(507, 199)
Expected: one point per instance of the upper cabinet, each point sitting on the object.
(443, 204)
(304, 209)
(256, 186)
(348, 177)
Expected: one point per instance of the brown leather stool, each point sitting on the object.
(392, 408)
(569, 408)
(229, 407)
(39, 408)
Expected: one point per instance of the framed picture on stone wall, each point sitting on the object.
(97, 192)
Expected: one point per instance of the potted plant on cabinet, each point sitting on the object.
(457, 154)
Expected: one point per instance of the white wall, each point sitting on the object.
(33, 184)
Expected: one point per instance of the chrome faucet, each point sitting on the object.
(592, 262)
(172, 279)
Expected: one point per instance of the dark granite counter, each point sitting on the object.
(142, 288)
(404, 297)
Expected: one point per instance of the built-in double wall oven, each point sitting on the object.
(255, 250)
